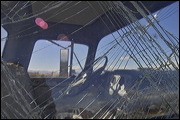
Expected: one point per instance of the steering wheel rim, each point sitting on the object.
(90, 79)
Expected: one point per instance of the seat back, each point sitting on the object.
(17, 93)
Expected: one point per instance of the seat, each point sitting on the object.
(17, 94)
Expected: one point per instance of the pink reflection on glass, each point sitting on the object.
(62, 37)
(41, 23)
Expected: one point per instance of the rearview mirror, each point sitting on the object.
(64, 56)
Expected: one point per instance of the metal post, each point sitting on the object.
(71, 60)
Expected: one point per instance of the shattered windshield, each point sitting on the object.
(90, 59)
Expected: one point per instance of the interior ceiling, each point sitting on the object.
(74, 12)
(71, 12)
(82, 12)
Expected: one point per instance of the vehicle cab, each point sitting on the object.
(74, 61)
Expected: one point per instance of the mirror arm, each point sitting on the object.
(71, 59)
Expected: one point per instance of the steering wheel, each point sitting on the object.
(89, 78)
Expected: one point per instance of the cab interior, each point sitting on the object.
(83, 23)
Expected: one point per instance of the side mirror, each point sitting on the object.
(64, 57)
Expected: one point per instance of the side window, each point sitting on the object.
(46, 59)
(117, 57)
(3, 39)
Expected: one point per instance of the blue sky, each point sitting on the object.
(168, 19)
(41, 59)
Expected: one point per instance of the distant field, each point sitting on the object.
(43, 75)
